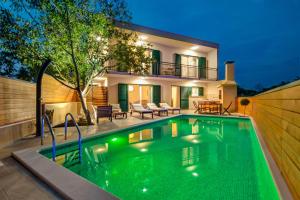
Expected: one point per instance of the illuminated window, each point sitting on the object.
(189, 66)
(195, 92)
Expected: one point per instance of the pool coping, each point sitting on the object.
(280, 183)
(70, 185)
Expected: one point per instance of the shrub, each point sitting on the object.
(245, 102)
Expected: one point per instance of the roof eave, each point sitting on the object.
(165, 34)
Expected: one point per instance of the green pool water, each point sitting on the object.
(186, 157)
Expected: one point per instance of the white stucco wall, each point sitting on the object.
(212, 58)
(229, 94)
(167, 53)
(210, 87)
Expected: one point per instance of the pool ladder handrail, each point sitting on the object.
(79, 133)
(45, 117)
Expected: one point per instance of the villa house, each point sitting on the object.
(185, 70)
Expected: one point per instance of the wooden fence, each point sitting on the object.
(17, 104)
(277, 115)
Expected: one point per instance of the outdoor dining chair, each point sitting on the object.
(226, 110)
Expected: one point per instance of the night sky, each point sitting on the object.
(261, 36)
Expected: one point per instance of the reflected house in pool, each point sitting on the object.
(184, 70)
(191, 132)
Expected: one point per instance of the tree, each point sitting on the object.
(245, 102)
(79, 37)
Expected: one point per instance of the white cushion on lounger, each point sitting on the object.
(116, 107)
(152, 106)
(165, 105)
(138, 107)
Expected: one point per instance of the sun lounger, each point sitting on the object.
(140, 109)
(169, 108)
(116, 107)
(117, 111)
(156, 109)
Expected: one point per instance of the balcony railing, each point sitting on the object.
(171, 70)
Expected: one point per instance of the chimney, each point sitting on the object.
(229, 70)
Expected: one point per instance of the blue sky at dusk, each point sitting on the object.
(261, 36)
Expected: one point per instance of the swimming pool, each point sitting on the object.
(185, 157)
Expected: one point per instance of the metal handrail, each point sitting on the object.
(173, 72)
(52, 135)
(79, 133)
(184, 65)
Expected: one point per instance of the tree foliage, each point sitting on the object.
(75, 35)
(245, 102)
(78, 36)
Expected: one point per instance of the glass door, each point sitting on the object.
(189, 66)
(192, 66)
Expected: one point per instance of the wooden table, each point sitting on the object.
(209, 107)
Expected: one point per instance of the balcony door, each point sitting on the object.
(189, 66)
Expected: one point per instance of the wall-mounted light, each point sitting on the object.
(195, 47)
(143, 37)
(98, 38)
(140, 43)
(130, 88)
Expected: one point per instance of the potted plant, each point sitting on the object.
(245, 102)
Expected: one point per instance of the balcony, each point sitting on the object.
(171, 70)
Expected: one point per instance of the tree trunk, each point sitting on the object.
(84, 107)
(244, 110)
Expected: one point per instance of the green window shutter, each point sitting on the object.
(202, 68)
(177, 65)
(123, 96)
(156, 62)
(185, 92)
(200, 91)
(156, 96)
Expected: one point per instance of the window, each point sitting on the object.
(189, 66)
(197, 91)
